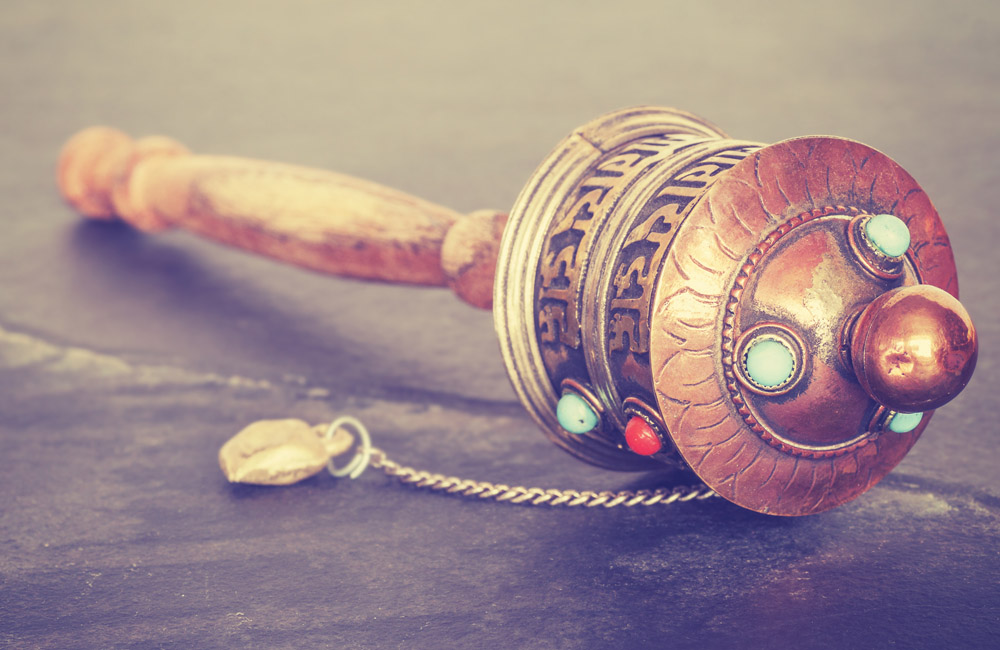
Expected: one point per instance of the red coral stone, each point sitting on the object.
(641, 438)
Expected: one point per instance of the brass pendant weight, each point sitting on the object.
(780, 319)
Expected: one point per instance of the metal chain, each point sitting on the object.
(534, 496)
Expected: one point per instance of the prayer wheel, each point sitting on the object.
(781, 319)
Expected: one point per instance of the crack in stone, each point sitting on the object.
(21, 351)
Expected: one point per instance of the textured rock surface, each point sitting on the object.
(126, 360)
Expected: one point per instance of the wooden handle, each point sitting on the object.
(312, 218)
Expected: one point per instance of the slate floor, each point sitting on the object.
(126, 360)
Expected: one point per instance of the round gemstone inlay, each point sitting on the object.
(641, 438)
(575, 415)
(769, 363)
(888, 234)
(904, 422)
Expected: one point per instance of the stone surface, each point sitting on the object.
(888, 234)
(769, 363)
(127, 360)
(905, 422)
(574, 414)
(641, 438)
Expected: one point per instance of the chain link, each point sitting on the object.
(534, 496)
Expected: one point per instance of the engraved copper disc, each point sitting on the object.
(769, 243)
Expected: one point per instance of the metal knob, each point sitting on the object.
(914, 348)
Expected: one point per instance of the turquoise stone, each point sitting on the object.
(888, 234)
(769, 363)
(905, 422)
(575, 414)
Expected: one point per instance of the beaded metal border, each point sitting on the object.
(728, 341)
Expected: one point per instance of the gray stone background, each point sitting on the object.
(126, 360)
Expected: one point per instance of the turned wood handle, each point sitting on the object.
(312, 218)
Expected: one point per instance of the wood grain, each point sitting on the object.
(312, 218)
